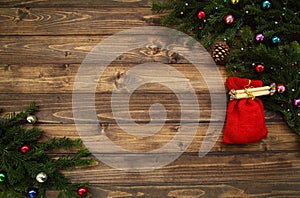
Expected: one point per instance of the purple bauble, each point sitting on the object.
(259, 37)
(297, 102)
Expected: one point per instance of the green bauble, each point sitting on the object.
(2, 177)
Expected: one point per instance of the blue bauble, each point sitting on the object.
(266, 4)
(32, 193)
(276, 40)
(1, 131)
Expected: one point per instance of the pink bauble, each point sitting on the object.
(259, 37)
(280, 88)
(229, 19)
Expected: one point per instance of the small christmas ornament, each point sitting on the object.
(280, 88)
(229, 19)
(259, 68)
(297, 102)
(259, 37)
(220, 51)
(31, 119)
(266, 4)
(201, 15)
(1, 132)
(2, 177)
(41, 177)
(82, 191)
(32, 193)
(234, 1)
(24, 149)
(275, 40)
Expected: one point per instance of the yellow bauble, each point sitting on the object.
(234, 1)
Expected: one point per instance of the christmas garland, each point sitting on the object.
(256, 39)
(26, 170)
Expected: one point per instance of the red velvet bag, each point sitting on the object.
(245, 122)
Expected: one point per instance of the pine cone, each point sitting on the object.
(220, 51)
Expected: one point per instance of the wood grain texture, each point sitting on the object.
(71, 50)
(57, 108)
(279, 138)
(250, 167)
(60, 78)
(42, 46)
(230, 189)
(75, 3)
(72, 21)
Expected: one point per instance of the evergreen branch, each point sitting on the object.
(21, 169)
(250, 19)
(64, 143)
(17, 118)
(158, 7)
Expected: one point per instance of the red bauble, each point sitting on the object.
(280, 88)
(259, 68)
(228, 19)
(24, 149)
(201, 15)
(82, 191)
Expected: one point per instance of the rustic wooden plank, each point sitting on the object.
(211, 169)
(60, 78)
(73, 49)
(258, 189)
(59, 50)
(72, 21)
(75, 3)
(279, 138)
(57, 108)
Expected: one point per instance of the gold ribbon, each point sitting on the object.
(250, 94)
(249, 83)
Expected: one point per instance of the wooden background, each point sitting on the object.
(42, 44)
